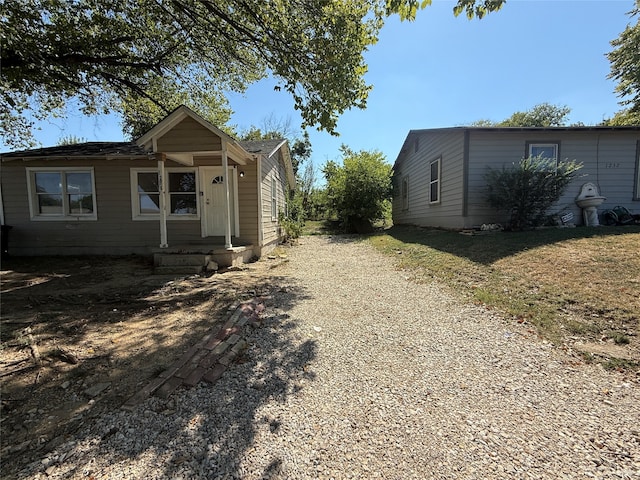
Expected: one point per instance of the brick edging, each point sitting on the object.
(208, 359)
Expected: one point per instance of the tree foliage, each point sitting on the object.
(359, 190)
(541, 115)
(528, 189)
(119, 54)
(625, 69)
(274, 128)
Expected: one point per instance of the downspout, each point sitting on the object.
(163, 202)
(225, 178)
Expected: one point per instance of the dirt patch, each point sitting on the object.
(80, 335)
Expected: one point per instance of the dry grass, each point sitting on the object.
(578, 287)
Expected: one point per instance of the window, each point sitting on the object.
(182, 199)
(274, 199)
(434, 183)
(546, 151)
(61, 193)
(182, 193)
(148, 193)
(405, 193)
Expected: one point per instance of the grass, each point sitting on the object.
(569, 283)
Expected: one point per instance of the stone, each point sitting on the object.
(97, 389)
(212, 266)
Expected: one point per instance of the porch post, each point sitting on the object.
(163, 202)
(227, 203)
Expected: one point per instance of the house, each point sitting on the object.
(184, 186)
(439, 174)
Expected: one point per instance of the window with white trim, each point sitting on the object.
(183, 199)
(64, 193)
(181, 187)
(434, 181)
(274, 199)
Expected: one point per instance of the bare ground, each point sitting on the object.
(75, 325)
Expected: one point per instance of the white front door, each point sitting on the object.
(213, 201)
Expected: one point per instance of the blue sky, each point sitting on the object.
(443, 71)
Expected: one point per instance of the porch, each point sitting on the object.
(184, 259)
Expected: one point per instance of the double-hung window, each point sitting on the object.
(183, 199)
(181, 188)
(548, 152)
(434, 181)
(66, 193)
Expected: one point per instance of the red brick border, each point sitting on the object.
(208, 359)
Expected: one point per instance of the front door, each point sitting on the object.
(214, 208)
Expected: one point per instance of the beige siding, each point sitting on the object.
(248, 203)
(113, 233)
(415, 166)
(189, 136)
(272, 168)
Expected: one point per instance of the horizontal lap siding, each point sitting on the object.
(189, 136)
(113, 233)
(616, 172)
(416, 165)
(272, 166)
(248, 202)
(608, 160)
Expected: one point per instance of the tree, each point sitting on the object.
(359, 190)
(528, 189)
(140, 113)
(275, 129)
(106, 54)
(71, 140)
(542, 115)
(625, 69)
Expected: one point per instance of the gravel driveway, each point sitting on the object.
(357, 372)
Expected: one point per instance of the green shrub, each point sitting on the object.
(358, 191)
(529, 188)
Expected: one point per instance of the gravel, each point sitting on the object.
(357, 372)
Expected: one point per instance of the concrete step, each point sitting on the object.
(180, 259)
(178, 269)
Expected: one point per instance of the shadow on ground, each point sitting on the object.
(123, 326)
(490, 247)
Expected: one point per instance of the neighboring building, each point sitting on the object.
(184, 186)
(439, 175)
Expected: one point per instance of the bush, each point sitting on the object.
(293, 220)
(529, 188)
(359, 191)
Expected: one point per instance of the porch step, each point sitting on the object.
(178, 269)
(179, 260)
(180, 263)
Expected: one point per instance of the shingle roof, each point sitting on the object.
(126, 149)
(263, 147)
(88, 149)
